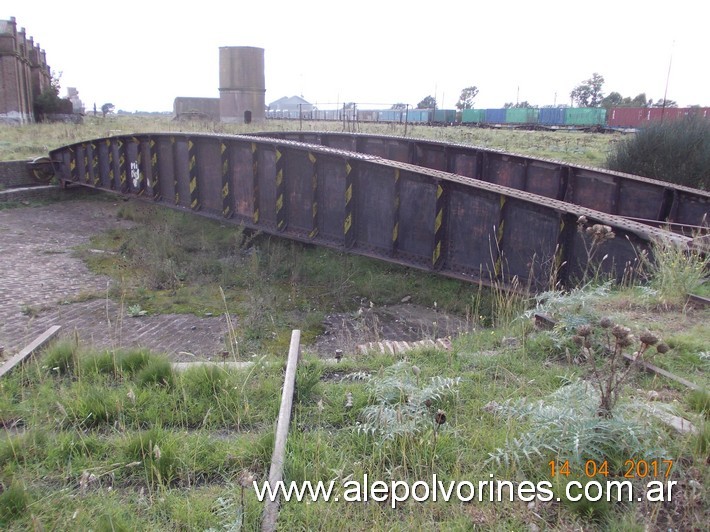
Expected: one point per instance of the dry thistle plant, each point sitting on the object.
(603, 348)
(593, 237)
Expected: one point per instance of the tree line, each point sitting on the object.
(588, 93)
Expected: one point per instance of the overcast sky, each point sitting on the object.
(141, 55)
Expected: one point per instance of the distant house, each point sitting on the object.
(292, 104)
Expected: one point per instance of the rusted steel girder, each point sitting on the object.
(394, 211)
(651, 201)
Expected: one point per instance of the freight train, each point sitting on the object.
(585, 118)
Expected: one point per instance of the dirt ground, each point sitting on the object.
(42, 284)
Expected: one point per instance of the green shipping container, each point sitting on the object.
(473, 116)
(522, 116)
(585, 116)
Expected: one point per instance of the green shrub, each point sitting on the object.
(677, 151)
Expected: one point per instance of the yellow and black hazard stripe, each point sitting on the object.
(87, 175)
(154, 174)
(280, 191)
(122, 165)
(226, 170)
(395, 227)
(175, 175)
(73, 171)
(111, 172)
(498, 267)
(439, 227)
(314, 195)
(95, 165)
(348, 230)
(255, 182)
(192, 173)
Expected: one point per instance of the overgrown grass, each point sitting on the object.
(676, 272)
(172, 262)
(22, 142)
(100, 443)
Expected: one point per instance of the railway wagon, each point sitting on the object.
(494, 116)
(585, 116)
(473, 116)
(526, 115)
(419, 116)
(391, 115)
(637, 117)
(552, 116)
(444, 116)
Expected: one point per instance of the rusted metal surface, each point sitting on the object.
(429, 219)
(655, 202)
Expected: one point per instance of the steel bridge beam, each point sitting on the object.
(429, 219)
(655, 202)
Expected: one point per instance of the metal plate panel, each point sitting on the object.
(266, 178)
(299, 176)
(209, 175)
(473, 217)
(180, 172)
(530, 255)
(544, 179)
(374, 196)
(593, 190)
(417, 210)
(506, 171)
(331, 198)
(465, 163)
(241, 179)
(431, 156)
(166, 180)
(640, 200)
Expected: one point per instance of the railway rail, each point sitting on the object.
(362, 203)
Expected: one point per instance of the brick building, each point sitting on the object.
(24, 73)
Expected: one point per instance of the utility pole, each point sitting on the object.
(668, 77)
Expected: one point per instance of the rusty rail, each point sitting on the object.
(395, 211)
(651, 201)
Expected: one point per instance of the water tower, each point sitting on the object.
(242, 85)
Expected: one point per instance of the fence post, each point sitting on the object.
(271, 509)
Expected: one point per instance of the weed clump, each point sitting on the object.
(158, 372)
(13, 503)
(603, 349)
(675, 271)
(567, 423)
(677, 151)
(157, 451)
(62, 357)
(403, 407)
